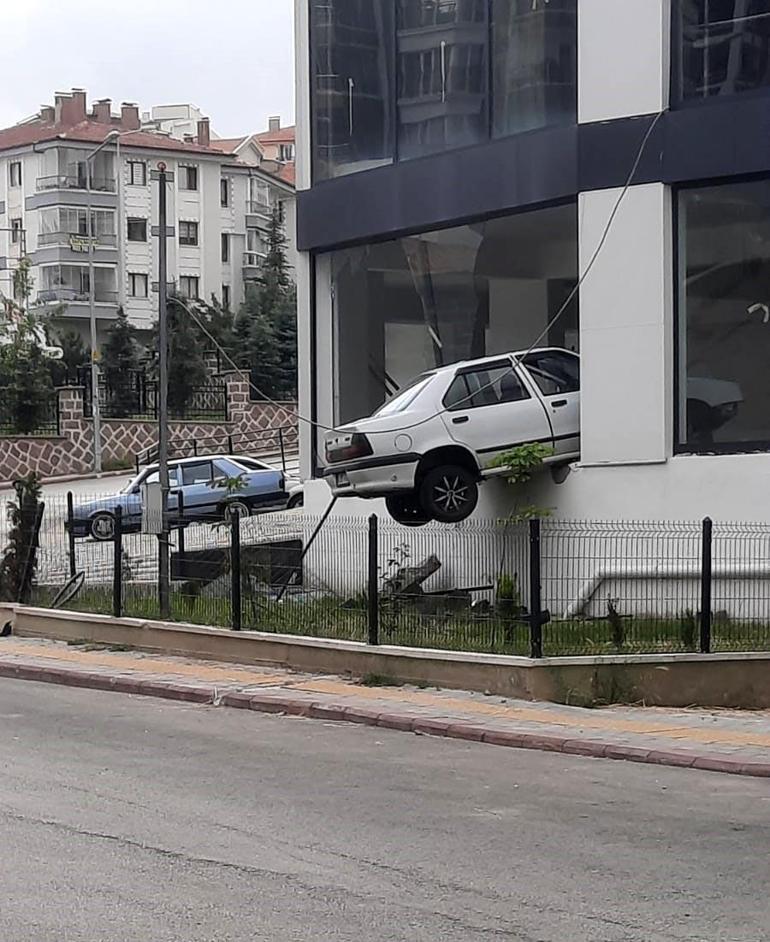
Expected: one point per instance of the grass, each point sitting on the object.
(337, 619)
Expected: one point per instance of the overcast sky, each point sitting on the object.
(232, 58)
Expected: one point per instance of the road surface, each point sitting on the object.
(128, 820)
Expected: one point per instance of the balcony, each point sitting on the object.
(257, 213)
(253, 263)
(66, 181)
(67, 293)
(77, 241)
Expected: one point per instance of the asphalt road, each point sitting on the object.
(132, 820)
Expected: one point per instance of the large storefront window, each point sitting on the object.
(534, 62)
(724, 318)
(723, 47)
(351, 44)
(396, 79)
(408, 305)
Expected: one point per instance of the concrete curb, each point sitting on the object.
(404, 722)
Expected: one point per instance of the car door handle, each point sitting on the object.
(559, 403)
(460, 420)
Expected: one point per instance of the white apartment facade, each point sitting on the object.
(218, 211)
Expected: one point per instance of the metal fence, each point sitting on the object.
(541, 588)
(135, 396)
(29, 420)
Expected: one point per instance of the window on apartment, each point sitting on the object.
(137, 173)
(15, 231)
(281, 211)
(137, 230)
(224, 192)
(188, 233)
(188, 286)
(723, 397)
(137, 285)
(721, 47)
(188, 178)
(225, 246)
(14, 172)
(287, 152)
(226, 297)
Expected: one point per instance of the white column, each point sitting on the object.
(623, 58)
(626, 327)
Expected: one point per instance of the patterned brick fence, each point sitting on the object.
(71, 452)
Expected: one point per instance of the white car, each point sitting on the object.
(426, 450)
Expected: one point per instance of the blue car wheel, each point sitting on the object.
(103, 526)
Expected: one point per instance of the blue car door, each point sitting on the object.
(201, 493)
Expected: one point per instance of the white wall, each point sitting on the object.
(623, 58)
(626, 327)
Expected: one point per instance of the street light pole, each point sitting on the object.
(95, 403)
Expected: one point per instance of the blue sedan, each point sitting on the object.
(202, 485)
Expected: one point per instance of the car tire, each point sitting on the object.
(102, 527)
(406, 510)
(297, 501)
(236, 508)
(449, 493)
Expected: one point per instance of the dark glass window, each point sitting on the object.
(406, 306)
(723, 47)
(442, 75)
(555, 373)
(534, 64)
(137, 230)
(724, 318)
(486, 386)
(351, 44)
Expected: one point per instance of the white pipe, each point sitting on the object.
(686, 571)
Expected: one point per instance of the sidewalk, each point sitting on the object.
(717, 740)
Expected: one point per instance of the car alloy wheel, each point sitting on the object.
(406, 510)
(449, 493)
(103, 526)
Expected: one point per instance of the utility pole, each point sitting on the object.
(164, 595)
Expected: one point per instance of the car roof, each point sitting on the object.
(197, 459)
(497, 356)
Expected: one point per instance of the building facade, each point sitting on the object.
(218, 210)
(463, 165)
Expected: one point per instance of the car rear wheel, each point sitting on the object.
(407, 511)
(236, 508)
(103, 526)
(449, 493)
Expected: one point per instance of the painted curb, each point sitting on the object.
(307, 707)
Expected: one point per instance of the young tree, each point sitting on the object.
(120, 361)
(17, 566)
(257, 345)
(75, 356)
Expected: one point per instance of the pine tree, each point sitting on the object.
(186, 361)
(257, 350)
(120, 362)
(27, 385)
(75, 356)
(278, 307)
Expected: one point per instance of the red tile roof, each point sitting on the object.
(228, 145)
(93, 132)
(281, 136)
(288, 173)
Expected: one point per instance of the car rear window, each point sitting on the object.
(406, 397)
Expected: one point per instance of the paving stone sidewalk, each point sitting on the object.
(718, 740)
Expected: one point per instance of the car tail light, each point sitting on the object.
(348, 448)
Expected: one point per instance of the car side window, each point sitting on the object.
(173, 478)
(484, 386)
(554, 372)
(227, 469)
(199, 473)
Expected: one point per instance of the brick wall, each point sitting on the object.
(71, 452)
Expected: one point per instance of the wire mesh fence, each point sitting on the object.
(553, 587)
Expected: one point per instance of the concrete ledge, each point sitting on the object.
(737, 680)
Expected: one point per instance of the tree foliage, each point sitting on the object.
(17, 566)
(120, 360)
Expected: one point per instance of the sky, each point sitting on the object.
(232, 58)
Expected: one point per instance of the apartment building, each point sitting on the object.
(218, 210)
(463, 165)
